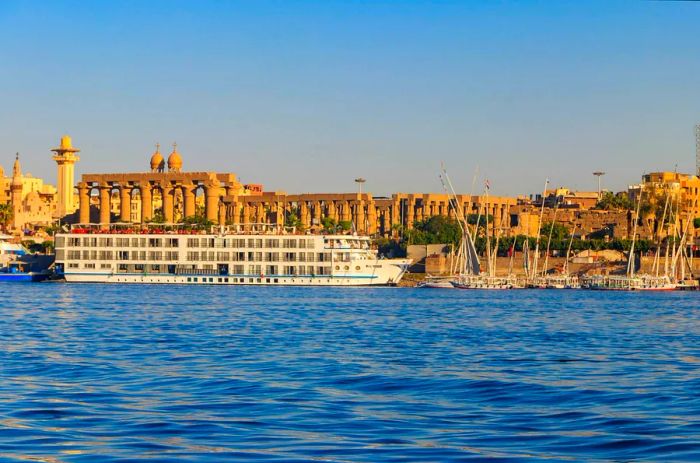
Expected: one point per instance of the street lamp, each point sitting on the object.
(359, 182)
(599, 174)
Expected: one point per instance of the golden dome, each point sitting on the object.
(157, 161)
(174, 160)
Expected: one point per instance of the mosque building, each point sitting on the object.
(32, 201)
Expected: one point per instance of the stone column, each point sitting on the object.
(410, 213)
(317, 213)
(360, 224)
(105, 191)
(211, 192)
(279, 213)
(246, 213)
(371, 218)
(386, 221)
(235, 213)
(168, 202)
(420, 213)
(345, 212)
(125, 204)
(146, 202)
(304, 213)
(188, 198)
(84, 195)
(222, 213)
(395, 211)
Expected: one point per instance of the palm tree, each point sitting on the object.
(5, 215)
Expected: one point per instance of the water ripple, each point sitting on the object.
(207, 374)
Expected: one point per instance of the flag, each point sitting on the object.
(487, 184)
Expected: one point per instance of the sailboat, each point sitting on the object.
(473, 278)
(631, 281)
(558, 280)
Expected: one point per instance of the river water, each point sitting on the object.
(170, 373)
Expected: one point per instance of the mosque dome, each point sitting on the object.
(174, 160)
(157, 161)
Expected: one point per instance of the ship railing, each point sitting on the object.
(183, 229)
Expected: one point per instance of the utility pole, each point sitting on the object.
(600, 191)
(697, 150)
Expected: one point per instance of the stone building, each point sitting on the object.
(683, 192)
(33, 202)
(175, 194)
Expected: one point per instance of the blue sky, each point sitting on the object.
(306, 96)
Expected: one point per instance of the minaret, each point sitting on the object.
(65, 158)
(16, 188)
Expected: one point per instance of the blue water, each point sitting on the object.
(157, 373)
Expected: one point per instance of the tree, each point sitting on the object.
(435, 230)
(293, 220)
(559, 231)
(328, 224)
(611, 201)
(6, 214)
(345, 225)
(197, 220)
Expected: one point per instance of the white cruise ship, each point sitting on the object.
(232, 255)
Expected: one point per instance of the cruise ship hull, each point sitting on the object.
(389, 277)
(223, 257)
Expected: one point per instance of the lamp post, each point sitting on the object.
(359, 182)
(599, 175)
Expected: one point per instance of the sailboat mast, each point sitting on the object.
(488, 235)
(539, 230)
(549, 238)
(630, 260)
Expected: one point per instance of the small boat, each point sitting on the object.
(17, 264)
(557, 281)
(436, 283)
(629, 283)
(485, 282)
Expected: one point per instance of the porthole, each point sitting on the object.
(357, 267)
(337, 267)
(347, 267)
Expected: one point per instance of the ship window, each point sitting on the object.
(189, 279)
(211, 280)
(357, 267)
(267, 280)
(196, 279)
(276, 280)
